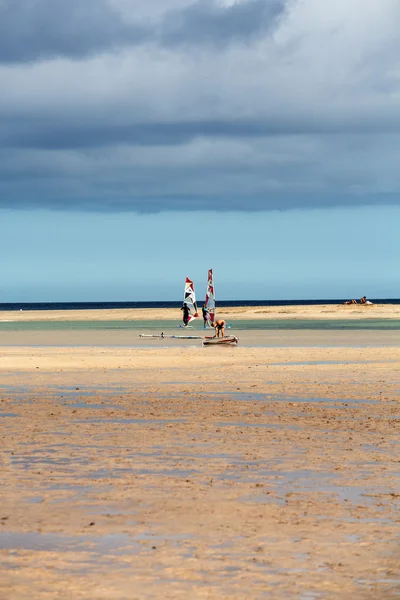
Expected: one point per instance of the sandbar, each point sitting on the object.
(320, 311)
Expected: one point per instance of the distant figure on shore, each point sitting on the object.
(350, 302)
(365, 301)
(206, 316)
(186, 313)
(219, 327)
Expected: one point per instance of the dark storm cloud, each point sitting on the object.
(206, 22)
(77, 136)
(82, 135)
(38, 29)
(32, 30)
(109, 195)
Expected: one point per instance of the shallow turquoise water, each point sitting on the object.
(173, 326)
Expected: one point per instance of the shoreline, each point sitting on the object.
(306, 311)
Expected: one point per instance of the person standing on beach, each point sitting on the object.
(219, 327)
(186, 313)
(206, 316)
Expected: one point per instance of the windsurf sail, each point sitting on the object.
(210, 298)
(189, 299)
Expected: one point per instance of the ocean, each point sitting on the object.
(7, 306)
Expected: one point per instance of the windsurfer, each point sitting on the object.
(219, 327)
(186, 313)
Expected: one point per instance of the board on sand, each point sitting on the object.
(222, 341)
(177, 337)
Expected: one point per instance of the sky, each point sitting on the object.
(145, 141)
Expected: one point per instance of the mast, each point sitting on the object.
(189, 299)
(210, 296)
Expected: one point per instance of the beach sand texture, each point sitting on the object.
(319, 311)
(218, 473)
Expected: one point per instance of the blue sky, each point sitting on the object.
(141, 142)
(322, 253)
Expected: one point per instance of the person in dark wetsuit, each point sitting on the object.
(186, 313)
(206, 316)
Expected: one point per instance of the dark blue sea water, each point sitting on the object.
(4, 306)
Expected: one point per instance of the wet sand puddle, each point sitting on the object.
(92, 405)
(72, 398)
(91, 553)
(297, 363)
(128, 421)
(20, 392)
(121, 552)
(51, 541)
(41, 457)
(225, 467)
(273, 397)
(287, 485)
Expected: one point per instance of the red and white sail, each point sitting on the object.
(189, 299)
(210, 297)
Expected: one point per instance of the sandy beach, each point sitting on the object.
(319, 311)
(262, 471)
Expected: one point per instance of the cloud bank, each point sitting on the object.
(180, 105)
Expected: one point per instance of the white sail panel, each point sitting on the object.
(189, 299)
(210, 297)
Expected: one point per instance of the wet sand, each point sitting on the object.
(218, 473)
(267, 338)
